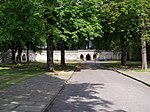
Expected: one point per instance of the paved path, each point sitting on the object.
(97, 90)
(92, 90)
(32, 95)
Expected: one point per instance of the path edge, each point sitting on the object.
(136, 79)
(46, 108)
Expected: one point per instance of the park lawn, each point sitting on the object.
(70, 65)
(130, 65)
(11, 74)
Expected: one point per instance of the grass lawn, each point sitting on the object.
(70, 65)
(11, 74)
(130, 65)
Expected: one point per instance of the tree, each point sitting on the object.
(20, 23)
(145, 25)
(120, 21)
(49, 17)
(142, 10)
(75, 24)
(114, 23)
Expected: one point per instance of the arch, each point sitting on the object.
(88, 57)
(94, 56)
(23, 57)
(81, 57)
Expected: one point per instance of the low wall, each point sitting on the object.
(73, 55)
(69, 55)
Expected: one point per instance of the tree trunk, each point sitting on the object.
(50, 52)
(63, 54)
(143, 45)
(128, 56)
(19, 54)
(27, 53)
(13, 56)
(13, 51)
(123, 51)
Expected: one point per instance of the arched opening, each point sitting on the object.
(81, 57)
(23, 57)
(94, 56)
(88, 57)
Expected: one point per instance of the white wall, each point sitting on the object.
(72, 55)
(69, 55)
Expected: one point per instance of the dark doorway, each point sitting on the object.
(94, 56)
(81, 57)
(88, 57)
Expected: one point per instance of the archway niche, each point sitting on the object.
(88, 57)
(94, 56)
(23, 57)
(81, 57)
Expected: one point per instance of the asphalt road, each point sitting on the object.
(99, 90)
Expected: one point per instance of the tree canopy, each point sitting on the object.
(21, 25)
(110, 24)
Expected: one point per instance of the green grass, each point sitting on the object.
(70, 65)
(11, 74)
(130, 65)
(114, 64)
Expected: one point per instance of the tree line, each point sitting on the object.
(121, 25)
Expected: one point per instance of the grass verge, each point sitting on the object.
(11, 74)
(130, 65)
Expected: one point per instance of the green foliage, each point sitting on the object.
(20, 23)
(105, 22)
(72, 24)
(121, 19)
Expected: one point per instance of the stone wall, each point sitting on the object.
(73, 55)
(5, 56)
(69, 55)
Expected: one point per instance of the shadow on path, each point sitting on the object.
(31, 95)
(82, 97)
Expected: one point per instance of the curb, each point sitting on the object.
(46, 108)
(136, 79)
